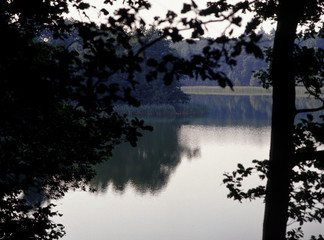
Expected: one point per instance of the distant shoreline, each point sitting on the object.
(237, 91)
(162, 110)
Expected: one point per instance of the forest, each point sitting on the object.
(244, 73)
(149, 91)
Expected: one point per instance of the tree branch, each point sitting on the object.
(301, 157)
(310, 110)
(143, 48)
(224, 17)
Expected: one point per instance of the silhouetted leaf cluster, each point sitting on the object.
(307, 178)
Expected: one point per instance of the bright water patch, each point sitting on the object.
(170, 186)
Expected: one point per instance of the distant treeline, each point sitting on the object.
(243, 73)
(146, 85)
(238, 91)
(149, 86)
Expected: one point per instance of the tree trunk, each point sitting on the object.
(283, 114)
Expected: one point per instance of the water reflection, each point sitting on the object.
(245, 110)
(185, 199)
(235, 110)
(193, 203)
(148, 166)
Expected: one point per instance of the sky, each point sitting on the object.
(160, 8)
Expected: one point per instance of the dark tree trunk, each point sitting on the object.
(283, 114)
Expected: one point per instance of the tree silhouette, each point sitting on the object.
(293, 190)
(158, 153)
(57, 98)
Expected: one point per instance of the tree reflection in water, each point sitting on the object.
(148, 166)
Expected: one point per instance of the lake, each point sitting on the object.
(170, 186)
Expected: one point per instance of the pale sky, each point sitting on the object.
(160, 8)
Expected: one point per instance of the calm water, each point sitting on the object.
(170, 186)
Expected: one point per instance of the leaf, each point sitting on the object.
(186, 8)
(83, 6)
(237, 21)
(257, 52)
(240, 166)
(104, 11)
(190, 41)
(168, 78)
(194, 4)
